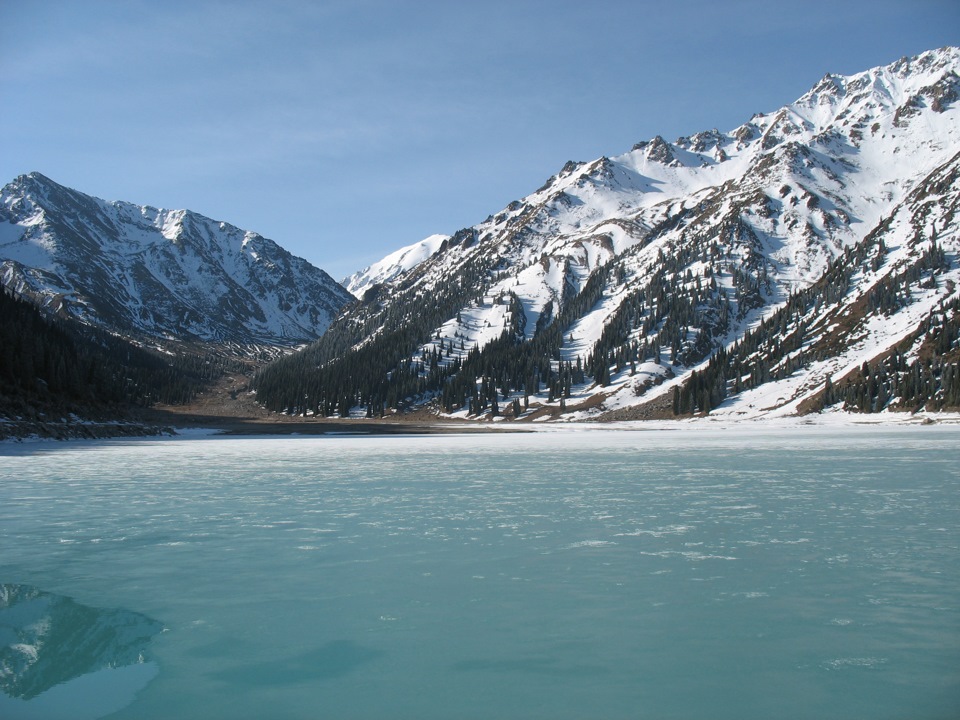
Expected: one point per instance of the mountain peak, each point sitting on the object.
(35, 179)
(162, 274)
(33, 185)
(925, 62)
(394, 265)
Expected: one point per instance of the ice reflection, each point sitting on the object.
(59, 658)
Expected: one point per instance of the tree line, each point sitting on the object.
(60, 366)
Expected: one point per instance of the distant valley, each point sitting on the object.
(807, 260)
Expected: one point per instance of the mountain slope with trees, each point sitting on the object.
(730, 273)
(59, 378)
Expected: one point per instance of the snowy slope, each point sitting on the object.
(645, 264)
(894, 295)
(830, 165)
(165, 274)
(393, 265)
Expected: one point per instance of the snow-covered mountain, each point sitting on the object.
(393, 265)
(605, 290)
(161, 274)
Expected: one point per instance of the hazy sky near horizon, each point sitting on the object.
(345, 130)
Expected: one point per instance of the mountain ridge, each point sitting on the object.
(648, 262)
(393, 265)
(159, 275)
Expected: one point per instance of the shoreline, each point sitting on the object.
(165, 423)
(160, 423)
(228, 426)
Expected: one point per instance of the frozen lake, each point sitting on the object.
(801, 573)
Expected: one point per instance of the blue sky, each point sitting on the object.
(344, 130)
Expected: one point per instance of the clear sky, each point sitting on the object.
(344, 130)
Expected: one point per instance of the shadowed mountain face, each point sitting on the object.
(47, 640)
(162, 274)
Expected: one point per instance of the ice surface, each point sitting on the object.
(91, 696)
(726, 572)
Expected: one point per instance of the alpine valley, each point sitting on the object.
(806, 260)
